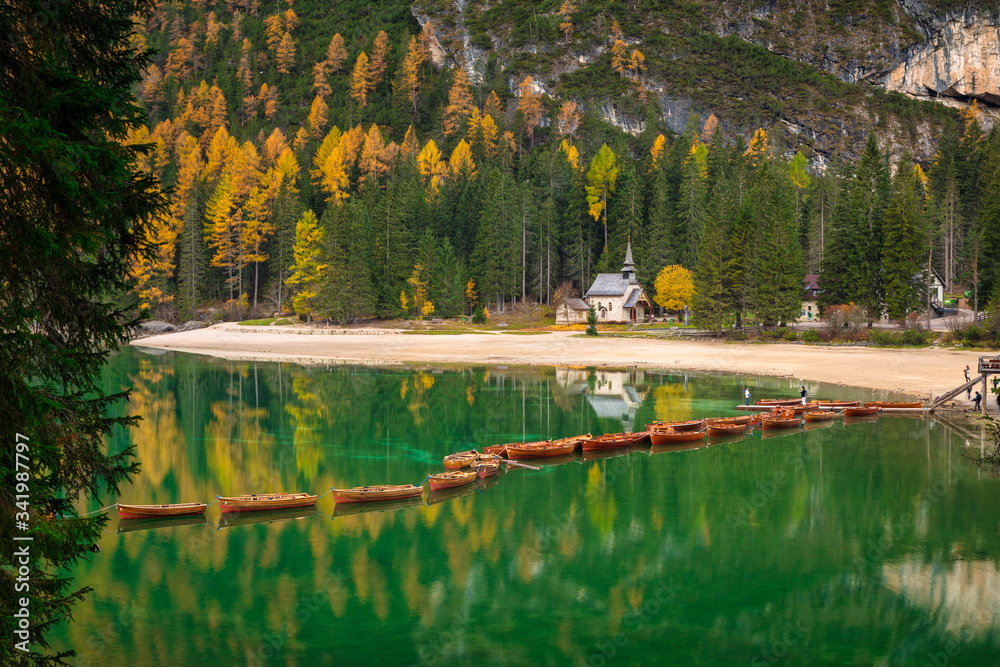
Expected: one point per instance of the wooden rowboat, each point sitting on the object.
(837, 404)
(861, 412)
(498, 450)
(667, 436)
(487, 469)
(460, 459)
(779, 401)
(255, 502)
(446, 480)
(818, 415)
(743, 419)
(614, 441)
(539, 450)
(361, 494)
(575, 440)
(726, 429)
(888, 404)
(694, 425)
(153, 511)
(771, 423)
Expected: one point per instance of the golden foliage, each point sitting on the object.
(657, 151)
(530, 105)
(568, 120)
(674, 287)
(361, 82)
(461, 162)
(459, 103)
(376, 68)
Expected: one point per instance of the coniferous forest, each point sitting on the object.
(318, 159)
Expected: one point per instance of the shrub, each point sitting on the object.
(791, 334)
(591, 322)
(850, 316)
(810, 336)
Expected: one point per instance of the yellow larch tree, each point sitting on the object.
(291, 20)
(151, 272)
(427, 39)
(658, 149)
(361, 82)
(286, 54)
(410, 75)
(461, 162)
(637, 63)
(619, 62)
(489, 135)
(373, 155)
(568, 120)
(601, 179)
(320, 83)
(317, 118)
(256, 231)
(377, 64)
(572, 155)
(301, 139)
(566, 24)
(492, 106)
(269, 96)
(274, 28)
(757, 150)
(432, 168)
(708, 129)
(274, 146)
(410, 145)
(459, 103)
(351, 143)
(530, 105)
(336, 53)
(222, 225)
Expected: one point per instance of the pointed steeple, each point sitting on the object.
(628, 270)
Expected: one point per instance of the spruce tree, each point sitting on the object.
(904, 265)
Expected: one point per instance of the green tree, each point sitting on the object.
(904, 260)
(601, 179)
(710, 302)
(307, 269)
(77, 209)
(591, 321)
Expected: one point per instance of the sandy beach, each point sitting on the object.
(922, 373)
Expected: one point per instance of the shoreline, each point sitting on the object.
(923, 373)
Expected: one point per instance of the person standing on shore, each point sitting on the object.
(746, 394)
(966, 372)
(977, 400)
(803, 394)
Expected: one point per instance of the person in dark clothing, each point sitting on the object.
(803, 394)
(977, 400)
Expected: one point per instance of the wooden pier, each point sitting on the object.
(987, 366)
(903, 411)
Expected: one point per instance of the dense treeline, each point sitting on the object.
(346, 176)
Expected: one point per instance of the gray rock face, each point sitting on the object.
(157, 326)
(190, 325)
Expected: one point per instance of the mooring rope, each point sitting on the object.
(212, 503)
(94, 512)
(320, 496)
(422, 481)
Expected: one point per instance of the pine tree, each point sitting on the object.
(710, 302)
(692, 203)
(904, 264)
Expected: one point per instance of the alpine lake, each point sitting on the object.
(868, 543)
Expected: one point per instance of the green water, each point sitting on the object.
(870, 543)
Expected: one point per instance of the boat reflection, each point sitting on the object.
(347, 509)
(445, 495)
(596, 455)
(132, 525)
(230, 519)
(676, 447)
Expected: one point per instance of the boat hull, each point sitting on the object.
(365, 494)
(818, 416)
(159, 511)
(265, 501)
(614, 441)
(861, 412)
(715, 430)
(777, 424)
(670, 437)
(446, 481)
(514, 452)
(743, 419)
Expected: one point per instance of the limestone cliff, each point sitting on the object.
(828, 72)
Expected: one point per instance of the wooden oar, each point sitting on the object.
(522, 465)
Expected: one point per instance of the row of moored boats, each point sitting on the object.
(464, 468)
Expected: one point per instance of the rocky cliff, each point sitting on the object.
(827, 72)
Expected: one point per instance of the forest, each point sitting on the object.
(327, 165)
